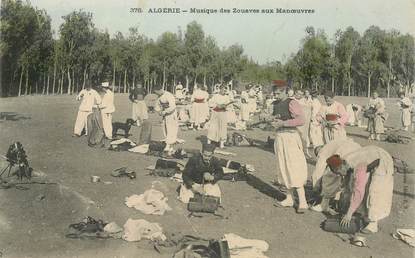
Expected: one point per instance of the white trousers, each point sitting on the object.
(81, 121)
(107, 124)
(209, 189)
(244, 112)
(170, 128)
(316, 134)
(291, 162)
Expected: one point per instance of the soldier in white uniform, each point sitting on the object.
(107, 108)
(199, 112)
(166, 106)
(316, 133)
(245, 110)
(88, 97)
(291, 162)
(406, 105)
(333, 116)
(218, 127)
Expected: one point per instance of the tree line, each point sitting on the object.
(34, 62)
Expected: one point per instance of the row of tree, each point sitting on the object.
(353, 64)
(33, 61)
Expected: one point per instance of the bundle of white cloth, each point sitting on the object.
(135, 230)
(150, 202)
(244, 248)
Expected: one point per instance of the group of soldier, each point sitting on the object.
(359, 179)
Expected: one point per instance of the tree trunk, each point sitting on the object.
(36, 87)
(62, 81)
(125, 81)
(164, 75)
(44, 84)
(74, 82)
(27, 82)
(174, 83)
(194, 82)
(204, 80)
(84, 80)
(20, 83)
(119, 86)
(47, 85)
(187, 81)
(69, 81)
(389, 77)
(59, 85)
(54, 79)
(332, 84)
(368, 84)
(349, 83)
(113, 77)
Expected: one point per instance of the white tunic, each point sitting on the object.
(341, 147)
(107, 105)
(218, 123)
(405, 111)
(200, 108)
(167, 103)
(89, 98)
(316, 133)
(338, 131)
(245, 108)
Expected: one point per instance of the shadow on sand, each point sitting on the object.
(12, 116)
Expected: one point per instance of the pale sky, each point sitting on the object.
(265, 37)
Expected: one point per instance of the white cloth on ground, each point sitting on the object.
(122, 140)
(405, 234)
(135, 230)
(150, 202)
(209, 189)
(246, 248)
(112, 227)
(143, 149)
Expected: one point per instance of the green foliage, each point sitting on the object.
(33, 61)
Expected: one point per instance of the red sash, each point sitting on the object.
(216, 109)
(199, 100)
(331, 117)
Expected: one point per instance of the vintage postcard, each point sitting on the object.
(219, 129)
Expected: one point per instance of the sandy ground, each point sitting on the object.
(31, 226)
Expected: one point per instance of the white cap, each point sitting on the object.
(105, 84)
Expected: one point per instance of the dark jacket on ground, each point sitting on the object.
(196, 167)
